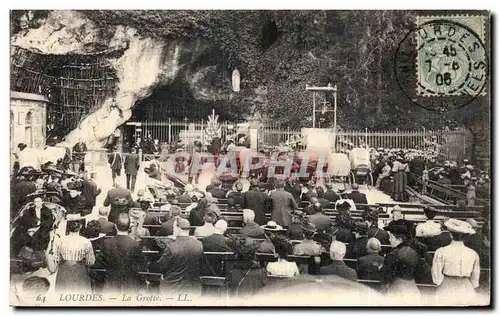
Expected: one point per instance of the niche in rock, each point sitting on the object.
(270, 34)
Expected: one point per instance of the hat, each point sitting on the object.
(360, 227)
(26, 171)
(37, 193)
(343, 206)
(308, 227)
(397, 229)
(430, 210)
(213, 209)
(355, 186)
(469, 167)
(183, 223)
(238, 185)
(397, 208)
(472, 222)
(272, 226)
(340, 191)
(74, 217)
(457, 226)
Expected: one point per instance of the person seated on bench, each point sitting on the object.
(209, 196)
(397, 219)
(321, 197)
(478, 242)
(430, 228)
(282, 268)
(167, 228)
(370, 217)
(309, 209)
(231, 207)
(251, 229)
(357, 248)
(308, 247)
(338, 267)
(122, 258)
(180, 263)
(235, 192)
(185, 197)
(330, 193)
(194, 203)
(217, 191)
(397, 276)
(321, 221)
(271, 230)
(106, 227)
(356, 196)
(368, 267)
(216, 242)
(208, 227)
(343, 218)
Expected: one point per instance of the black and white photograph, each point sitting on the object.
(241, 158)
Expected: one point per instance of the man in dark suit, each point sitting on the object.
(123, 260)
(338, 267)
(356, 196)
(90, 191)
(283, 204)
(318, 219)
(78, 159)
(120, 200)
(131, 165)
(180, 263)
(330, 194)
(107, 227)
(368, 267)
(115, 163)
(255, 200)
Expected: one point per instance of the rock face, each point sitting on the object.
(147, 63)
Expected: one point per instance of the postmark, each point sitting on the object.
(450, 64)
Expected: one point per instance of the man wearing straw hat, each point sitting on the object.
(456, 268)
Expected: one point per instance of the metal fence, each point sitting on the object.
(188, 131)
(451, 145)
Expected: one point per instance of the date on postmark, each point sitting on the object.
(451, 58)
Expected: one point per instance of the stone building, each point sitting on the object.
(28, 119)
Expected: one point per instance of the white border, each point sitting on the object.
(192, 4)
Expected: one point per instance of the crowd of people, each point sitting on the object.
(190, 222)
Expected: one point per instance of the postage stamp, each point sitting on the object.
(451, 58)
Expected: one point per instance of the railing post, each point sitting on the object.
(169, 131)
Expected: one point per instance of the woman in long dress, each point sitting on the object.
(71, 256)
(399, 170)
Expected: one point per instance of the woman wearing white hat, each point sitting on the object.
(455, 268)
